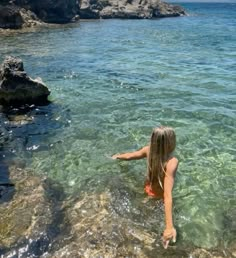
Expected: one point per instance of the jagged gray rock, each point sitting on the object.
(16, 87)
(136, 9)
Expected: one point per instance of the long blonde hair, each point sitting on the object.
(162, 144)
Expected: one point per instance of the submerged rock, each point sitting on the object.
(16, 87)
(27, 214)
(99, 233)
(93, 224)
(30, 215)
(109, 223)
(20, 120)
(131, 9)
(113, 223)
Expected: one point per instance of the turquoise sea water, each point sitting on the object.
(111, 82)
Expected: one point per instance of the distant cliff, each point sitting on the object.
(16, 14)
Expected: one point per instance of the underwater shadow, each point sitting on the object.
(23, 130)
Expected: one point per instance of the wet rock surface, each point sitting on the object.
(16, 87)
(98, 232)
(28, 215)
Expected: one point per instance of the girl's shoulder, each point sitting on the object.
(172, 165)
(173, 160)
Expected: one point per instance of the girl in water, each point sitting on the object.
(161, 170)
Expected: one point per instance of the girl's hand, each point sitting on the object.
(169, 234)
(115, 156)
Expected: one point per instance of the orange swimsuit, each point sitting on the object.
(157, 193)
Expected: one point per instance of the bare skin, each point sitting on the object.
(171, 168)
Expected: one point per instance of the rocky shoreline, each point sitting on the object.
(16, 14)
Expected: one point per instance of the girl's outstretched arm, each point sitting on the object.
(139, 154)
(170, 232)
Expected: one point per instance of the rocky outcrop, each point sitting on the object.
(14, 17)
(30, 18)
(162, 10)
(136, 9)
(51, 11)
(10, 17)
(16, 14)
(16, 87)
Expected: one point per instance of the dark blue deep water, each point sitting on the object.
(111, 82)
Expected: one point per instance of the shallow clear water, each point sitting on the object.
(112, 81)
